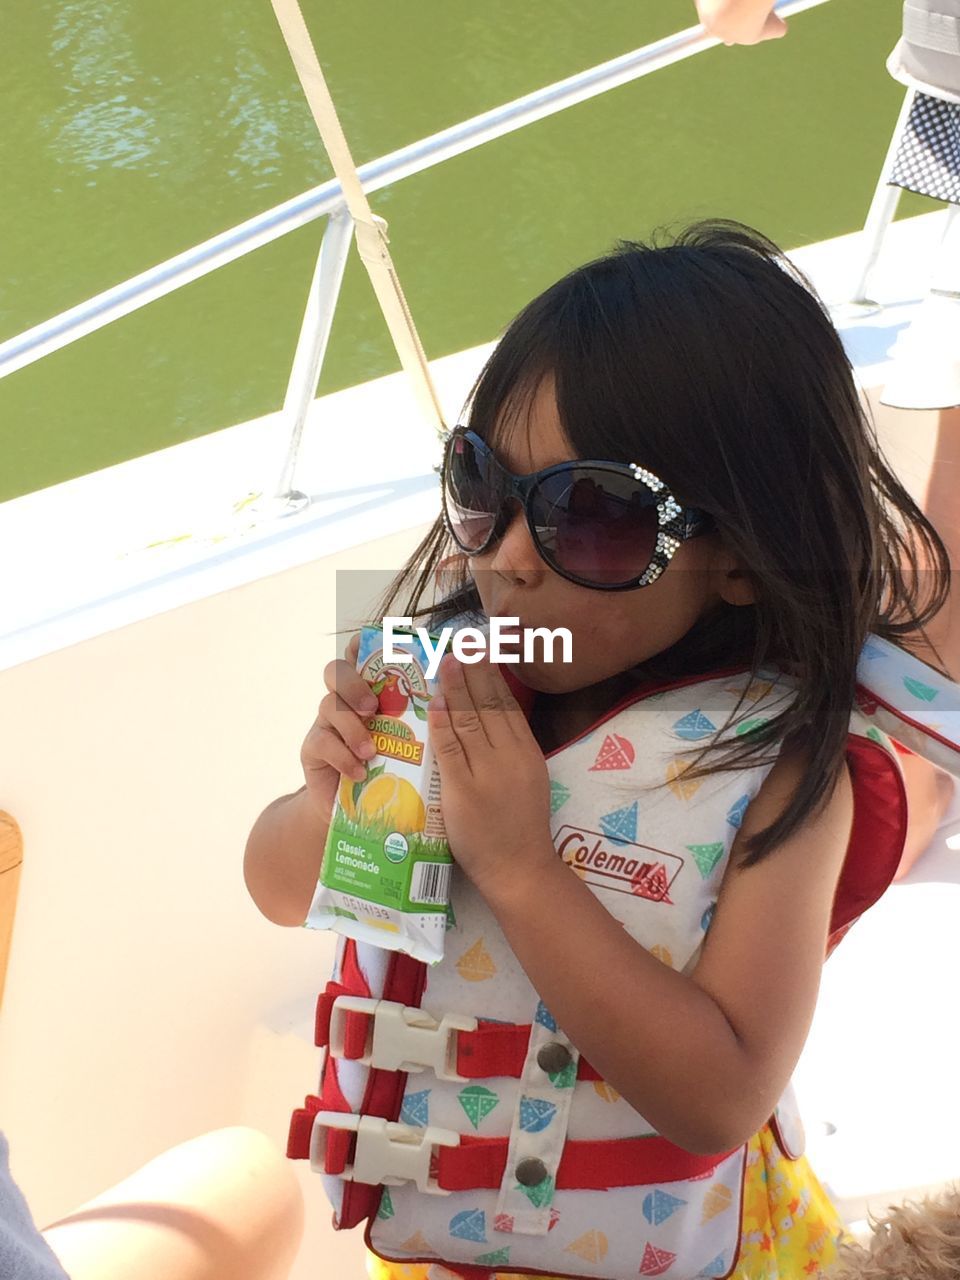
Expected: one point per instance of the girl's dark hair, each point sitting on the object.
(708, 358)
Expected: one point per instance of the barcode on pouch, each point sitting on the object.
(431, 883)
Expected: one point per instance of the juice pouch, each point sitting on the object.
(385, 877)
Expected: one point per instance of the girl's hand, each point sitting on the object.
(494, 785)
(339, 742)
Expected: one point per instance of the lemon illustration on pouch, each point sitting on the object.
(392, 802)
(383, 801)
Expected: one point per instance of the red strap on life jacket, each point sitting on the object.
(584, 1166)
(500, 1049)
(339, 1142)
(494, 1049)
(355, 1029)
(404, 982)
(301, 1122)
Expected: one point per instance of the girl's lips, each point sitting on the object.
(511, 613)
(509, 633)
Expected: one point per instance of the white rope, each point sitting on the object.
(371, 231)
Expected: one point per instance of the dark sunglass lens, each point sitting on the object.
(471, 493)
(600, 526)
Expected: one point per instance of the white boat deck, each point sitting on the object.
(877, 1082)
(137, 756)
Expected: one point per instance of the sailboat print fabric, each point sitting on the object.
(653, 847)
(911, 702)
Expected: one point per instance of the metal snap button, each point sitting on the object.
(554, 1057)
(531, 1172)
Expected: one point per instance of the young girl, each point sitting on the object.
(666, 455)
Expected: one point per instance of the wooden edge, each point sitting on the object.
(11, 843)
(11, 857)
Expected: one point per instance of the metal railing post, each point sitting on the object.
(311, 349)
(882, 208)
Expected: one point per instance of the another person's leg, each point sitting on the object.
(929, 795)
(942, 508)
(929, 790)
(224, 1206)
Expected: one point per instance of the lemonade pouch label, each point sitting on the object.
(385, 877)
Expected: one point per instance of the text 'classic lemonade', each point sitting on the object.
(385, 877)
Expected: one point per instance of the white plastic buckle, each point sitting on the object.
(404, 1038)
(385, 1152)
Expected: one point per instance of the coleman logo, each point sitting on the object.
(636, 869)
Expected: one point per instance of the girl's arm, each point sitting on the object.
(705, 1057)
(282, 858)
(929, 796)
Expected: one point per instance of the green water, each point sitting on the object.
(134, 129)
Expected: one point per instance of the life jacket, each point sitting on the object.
(454, 1115)
(927, 56)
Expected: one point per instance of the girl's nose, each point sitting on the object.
(515, 556)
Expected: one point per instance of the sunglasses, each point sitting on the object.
(608, 525)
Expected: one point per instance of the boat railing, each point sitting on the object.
(326, 200)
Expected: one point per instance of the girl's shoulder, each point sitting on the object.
(777, 790)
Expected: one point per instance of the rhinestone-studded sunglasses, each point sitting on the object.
(608, 525)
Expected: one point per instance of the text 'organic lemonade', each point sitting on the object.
(385, 877)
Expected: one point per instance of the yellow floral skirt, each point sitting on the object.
(790, 1228)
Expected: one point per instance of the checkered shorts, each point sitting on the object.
(928, 158)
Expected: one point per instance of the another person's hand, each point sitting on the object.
(741, 21)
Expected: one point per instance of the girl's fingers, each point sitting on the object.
(464, 716)
(343, 679)
(512, 710)
(492, 699)
(340, 716)
(447, 748)
(325, 748)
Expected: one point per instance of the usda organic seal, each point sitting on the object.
(395, 846)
